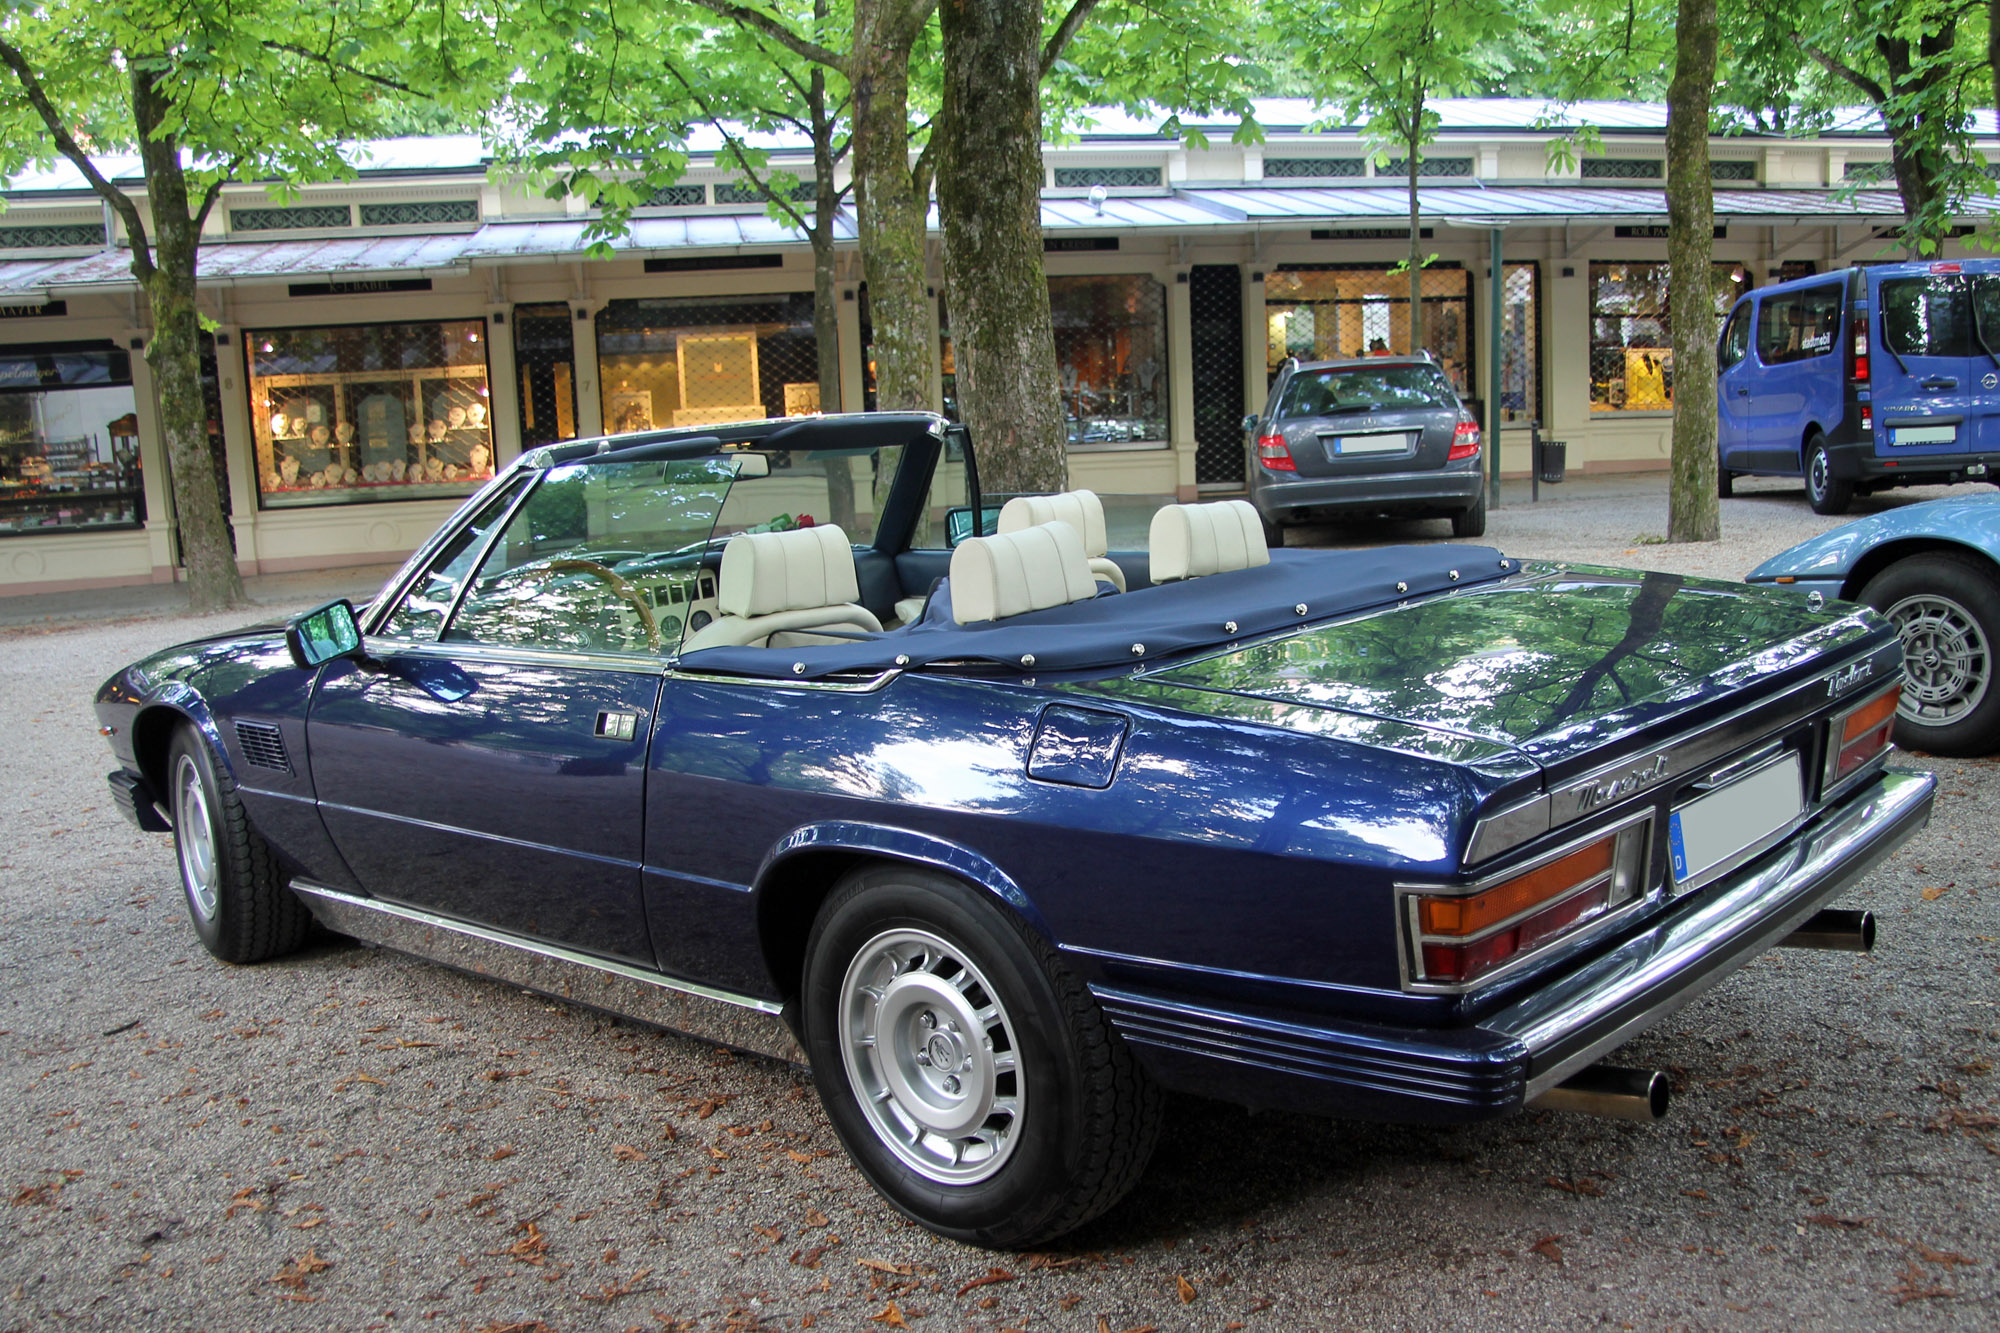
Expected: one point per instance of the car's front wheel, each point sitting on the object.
(242, 906)
(1826, 493)
(1946, 607)
(970, 1075)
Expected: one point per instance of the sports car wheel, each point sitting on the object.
(1826, 493)
(1947, 608)
(968, 1072)
(241, 904)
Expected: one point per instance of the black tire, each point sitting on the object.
(1725, 483)
(1072, 1117)
(1826, 493)
(240, 902)
(1946, 605)
(1470, 522)
(1274, 533)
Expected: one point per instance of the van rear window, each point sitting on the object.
(1932, 316)
(1799, 325)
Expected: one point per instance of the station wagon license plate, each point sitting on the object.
(1717, 825)
(1349, 445)
(1923, 434)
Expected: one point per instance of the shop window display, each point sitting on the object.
(1321, 312)
(1631, 332)
(370, 412)
(69, 440)
(704, 362)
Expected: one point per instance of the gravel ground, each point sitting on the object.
(351, 1139)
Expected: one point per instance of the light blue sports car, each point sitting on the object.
(1934, 569)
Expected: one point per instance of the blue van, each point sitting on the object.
(1864, 379)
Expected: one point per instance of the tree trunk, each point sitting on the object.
(174, 354)
(826, 308)
(990, 198)
(1416, 259)
(892, 216)
(1693, 513)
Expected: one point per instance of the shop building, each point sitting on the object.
(378, 346)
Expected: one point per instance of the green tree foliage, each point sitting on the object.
(207, 93)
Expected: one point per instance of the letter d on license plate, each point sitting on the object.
(1718, 825)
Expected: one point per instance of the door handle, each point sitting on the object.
(616, 726)
(1742, 392)
(1938, 383)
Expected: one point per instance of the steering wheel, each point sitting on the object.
(571, 565)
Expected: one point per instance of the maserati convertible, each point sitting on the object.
(784, 736)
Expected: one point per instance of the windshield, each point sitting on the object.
(1352, 389)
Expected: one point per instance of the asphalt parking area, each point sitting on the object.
(351, 1139)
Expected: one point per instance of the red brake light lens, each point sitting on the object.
(1860, 331)
(1464, 439)
(1274, 454)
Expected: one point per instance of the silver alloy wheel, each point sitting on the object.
(931, 1056)
(196, 837)
(1949, 662)
(1818, 475)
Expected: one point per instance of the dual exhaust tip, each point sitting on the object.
(1643, 1094)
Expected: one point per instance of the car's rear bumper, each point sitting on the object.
(1516, 1053)
(1860, 462)
(1435, 491)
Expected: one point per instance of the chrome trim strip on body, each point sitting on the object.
(463, 650)
(867, 686)
(742, 1022)
(1658, 764)
(1574, 1020)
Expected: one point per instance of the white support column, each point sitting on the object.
(239, 445)
(589, 394)
(1180, 383)
(1256, 340)
(853, 362)
(503, 388)
(155, 481)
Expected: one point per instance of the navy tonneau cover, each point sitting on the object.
(1140, 626)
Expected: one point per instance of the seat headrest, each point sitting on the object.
(764, 573)
(1028, 570)
(1082, 510)
(1189, 541)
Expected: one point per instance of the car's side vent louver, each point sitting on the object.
(263, 746)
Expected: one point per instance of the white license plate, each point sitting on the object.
(1923, 434)
(1371, 444)
(1717, 825)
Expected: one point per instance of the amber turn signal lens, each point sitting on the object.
(1469, 916)
(1861, 734)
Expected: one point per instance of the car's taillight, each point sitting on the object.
(1859, 327)
(1462, 937)
(1464, 438)
(1859, 734)
(1867, 420)
(1273, 453)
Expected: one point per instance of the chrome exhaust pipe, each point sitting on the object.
(1607, 1090)
(1852, 932)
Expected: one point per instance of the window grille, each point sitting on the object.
(421, 213)
(1868, 173)
(1624, 168)
(52, 236)
(706, 361)
(1631, 335)
(1215, 308)
(1319, 312)
(311, 217)
(545, 358)
(1313, 168)
(734, 192)
(1113, 178)
(1732, 169)
(677, 196)
(1427, 166)
(1520, 343)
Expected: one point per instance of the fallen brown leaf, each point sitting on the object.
(1184, 1289)
(884, 1266)
(625, 1152)
(815, 1218)
(993, 1275)
(295, 1273)
(890, 1317)
(1845, 1223)
(1931, 895)
(1549, 1249)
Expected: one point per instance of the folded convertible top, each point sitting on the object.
(1141, 626)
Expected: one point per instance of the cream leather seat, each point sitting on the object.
(1029, 569)
(1082, 510)
(783, 586)
(1189, 541)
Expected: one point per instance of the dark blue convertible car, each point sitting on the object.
(777, 735)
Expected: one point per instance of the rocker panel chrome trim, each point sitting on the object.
(739, 1021)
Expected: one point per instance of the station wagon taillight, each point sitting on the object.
(1274, 454)
(1860, 733)
(1463, 937)
(1859, 327)
(1464, 437)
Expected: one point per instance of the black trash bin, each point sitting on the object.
(1551, 457)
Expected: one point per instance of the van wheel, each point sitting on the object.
(1826, 493)
(1725, 483)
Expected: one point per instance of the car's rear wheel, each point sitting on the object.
(1725, 483)
(1274, 533)
(970, 1074)
(1826, 493)
(241, 904)
(1946, 607)
(1470, 522)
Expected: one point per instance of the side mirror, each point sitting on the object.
(323, 634)
(958, 523)
(1250, 425)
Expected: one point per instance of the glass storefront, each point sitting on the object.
(369, 412)
(697, 361)
(1631, 333)
(545, 358)
(69, 440)
(1320, 312)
